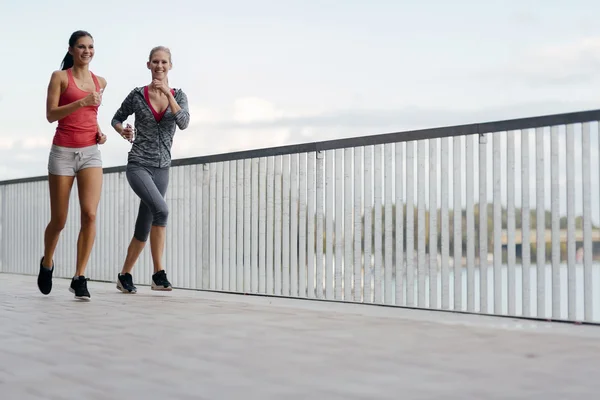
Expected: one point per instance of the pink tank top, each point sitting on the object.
(78, 129)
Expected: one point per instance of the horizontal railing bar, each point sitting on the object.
(405, 136)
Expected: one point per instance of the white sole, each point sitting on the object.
(160, 288)
(123, 289)
(79, 297)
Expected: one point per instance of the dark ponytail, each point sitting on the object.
(67, 61)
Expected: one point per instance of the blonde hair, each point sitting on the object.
(160, 48)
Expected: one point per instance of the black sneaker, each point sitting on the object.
(125, 283)
(44, 280)
(160, 281)
(79, 287)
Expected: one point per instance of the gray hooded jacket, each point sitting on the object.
(153, 140)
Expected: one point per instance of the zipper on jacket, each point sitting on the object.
(158, 139)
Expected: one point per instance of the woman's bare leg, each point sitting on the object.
(60, 191)
(158, 236)
(89, 183)
(133, 253)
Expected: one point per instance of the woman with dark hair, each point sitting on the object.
(74, 95)
(158, 110)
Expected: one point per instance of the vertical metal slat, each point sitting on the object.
(254, 238)
(378, 182)
(497, 222)
(571, 249)
(457, 223)
(302, 227)
(347, 232)
(540, 224)
(368, 209)
(510, 220)
(421, 228)
(278, 225)
(339, 219)
(555, 201)
(470, 220)
(587, 224)
(270, 251)
(262, 225)
(399, 192)
(285, 229)
(310, 224)
(525, 224)
(329, 217)
(294, 225)
(388, 227)
(445, 229)
(358, 261)
(410, 225)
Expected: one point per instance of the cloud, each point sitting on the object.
(572, 63)
(7, 172)
(6, 143)
(249, 123)
(223, 133)
(524, 17)
(244, 110)
(28, 157)
(254, 123)
(376, 120)
(21, 141)
(17, 163)
(37, 142)
(254, 109)
(197, 141)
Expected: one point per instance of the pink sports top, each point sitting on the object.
(80, 128)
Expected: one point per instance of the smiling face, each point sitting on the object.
(159, 64)
(83, 50)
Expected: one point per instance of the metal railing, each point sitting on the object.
(500, 217)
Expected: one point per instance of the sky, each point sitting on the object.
(265, 73)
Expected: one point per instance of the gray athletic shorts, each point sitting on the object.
(68, 161)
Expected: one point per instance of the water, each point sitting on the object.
(548, 299)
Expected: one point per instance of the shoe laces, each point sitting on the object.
(82, 282)
(161, 278)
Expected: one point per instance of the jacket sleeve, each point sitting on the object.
(126, 109)
(182, 117)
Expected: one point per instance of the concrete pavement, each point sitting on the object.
(199, 345)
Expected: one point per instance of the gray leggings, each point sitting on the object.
(150, 184)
